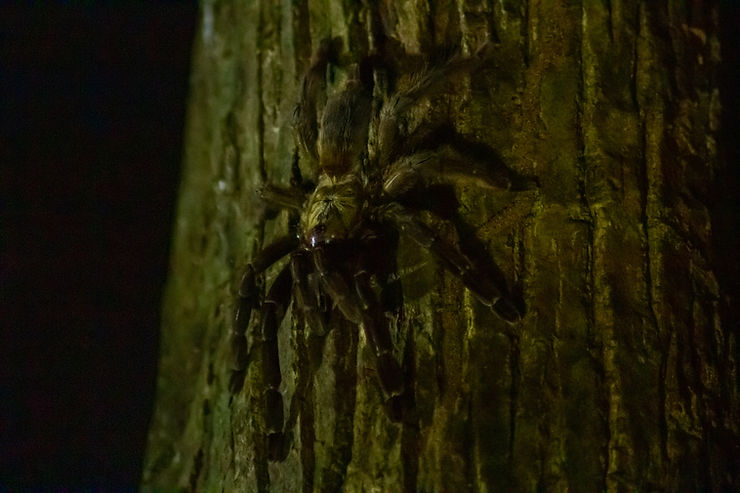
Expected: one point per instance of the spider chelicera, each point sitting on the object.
(353, 212)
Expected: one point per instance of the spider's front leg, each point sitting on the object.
(306, 296)
(248, 298)
(375, 325)
(483, 287)
(336, 286)
(281, 197)
(359, 304)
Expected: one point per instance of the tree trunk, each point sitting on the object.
(623, 371)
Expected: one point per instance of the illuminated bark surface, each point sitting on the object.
(623, 373)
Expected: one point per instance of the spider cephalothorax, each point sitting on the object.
(356, 209)
(333, 211)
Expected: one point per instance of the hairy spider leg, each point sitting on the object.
(274, 308)
(248, 297)
(359, 304)
(313, 87)
(428, 83)
(375, 326)
(306, 298)
(453, 260)
(448, 165)
(336, 286)
(283, 197)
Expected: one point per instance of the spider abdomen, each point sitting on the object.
(344, 128)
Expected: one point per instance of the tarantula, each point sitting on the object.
(354, 211)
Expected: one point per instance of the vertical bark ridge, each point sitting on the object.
(259, 90)
(611, 152)
(257, 433)
(646, 187)
(337, 439)
(410, 437)
(304, 403)
(525, 33)
(599, 321)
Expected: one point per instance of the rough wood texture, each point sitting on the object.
(623, 374)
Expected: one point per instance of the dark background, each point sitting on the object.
(92, 109)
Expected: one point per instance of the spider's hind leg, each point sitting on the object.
(490, 292)
(429, 82)
(442, 155)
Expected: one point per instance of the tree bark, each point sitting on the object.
(623, 372)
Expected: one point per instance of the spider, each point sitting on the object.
(353, 212)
